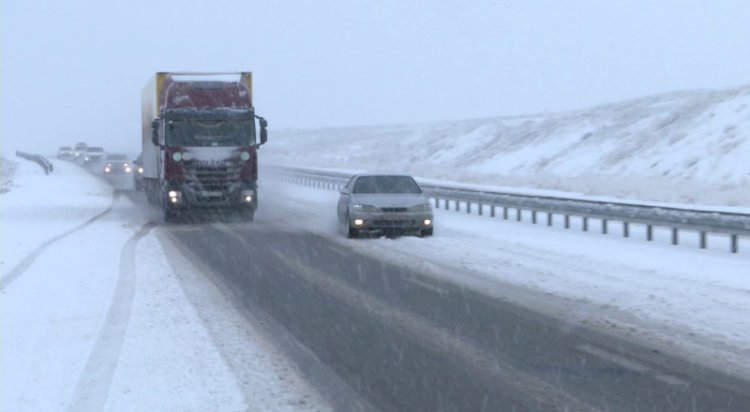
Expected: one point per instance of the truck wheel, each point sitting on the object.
(426, 232)
(171, 216)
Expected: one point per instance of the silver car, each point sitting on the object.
(375, 203)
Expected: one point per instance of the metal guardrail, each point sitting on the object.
(734, 225)
(40, 160)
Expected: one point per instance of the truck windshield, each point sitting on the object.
(210, 132)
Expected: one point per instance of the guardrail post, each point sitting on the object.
(549, 218)
(480, 205)
(437, 203)
(505, 212)
(446, 204)
(703, 239)
(585, 223)
(567, 221)
(675, 238)
(735, 247)
(458, 206)
(468, 207)
(649, 232)
(518, 214)
(492, 210)
(604, 226)
(533, 216)
(625, 229)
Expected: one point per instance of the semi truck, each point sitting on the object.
(199, 146)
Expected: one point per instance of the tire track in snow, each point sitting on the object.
(27, 261)
(93, 385)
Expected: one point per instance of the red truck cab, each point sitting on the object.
(199, 144)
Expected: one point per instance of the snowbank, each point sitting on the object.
(686, 147)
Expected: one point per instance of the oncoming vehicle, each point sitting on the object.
(79, 151)
(93, 155)
(64, 152)
(116, 164)
(384, 204)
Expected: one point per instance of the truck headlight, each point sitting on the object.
(176, 156)
(247, 196)
(140, 170)
(245, 156)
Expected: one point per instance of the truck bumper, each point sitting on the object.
(186, 198)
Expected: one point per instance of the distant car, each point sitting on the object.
(375, 203)
(138, 173)
(116, 164)
(93, 155)
(65, 152)
(79, 150)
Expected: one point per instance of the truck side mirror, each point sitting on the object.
(263, 130)
(155, 132)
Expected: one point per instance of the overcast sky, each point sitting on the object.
(73, 70)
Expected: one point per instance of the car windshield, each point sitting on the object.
(117, 157)
(386, 184)
(95, 150)
(210, 132)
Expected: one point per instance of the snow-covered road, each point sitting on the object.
(682, 300)
(101, 310)
(98, 313)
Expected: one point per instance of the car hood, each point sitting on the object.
(390, 199)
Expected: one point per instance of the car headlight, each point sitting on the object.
(425, 207)
(364, 208)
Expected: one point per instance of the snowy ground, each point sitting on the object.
(682, 300)
(99, 312)
(686, 147)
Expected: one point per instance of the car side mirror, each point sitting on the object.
(263, 130)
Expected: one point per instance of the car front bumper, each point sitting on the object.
(390, 221)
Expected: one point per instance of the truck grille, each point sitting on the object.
(394, 209)
(212, 178)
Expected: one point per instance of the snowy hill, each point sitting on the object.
(687, 147)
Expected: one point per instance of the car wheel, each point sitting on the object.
(426, 232)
